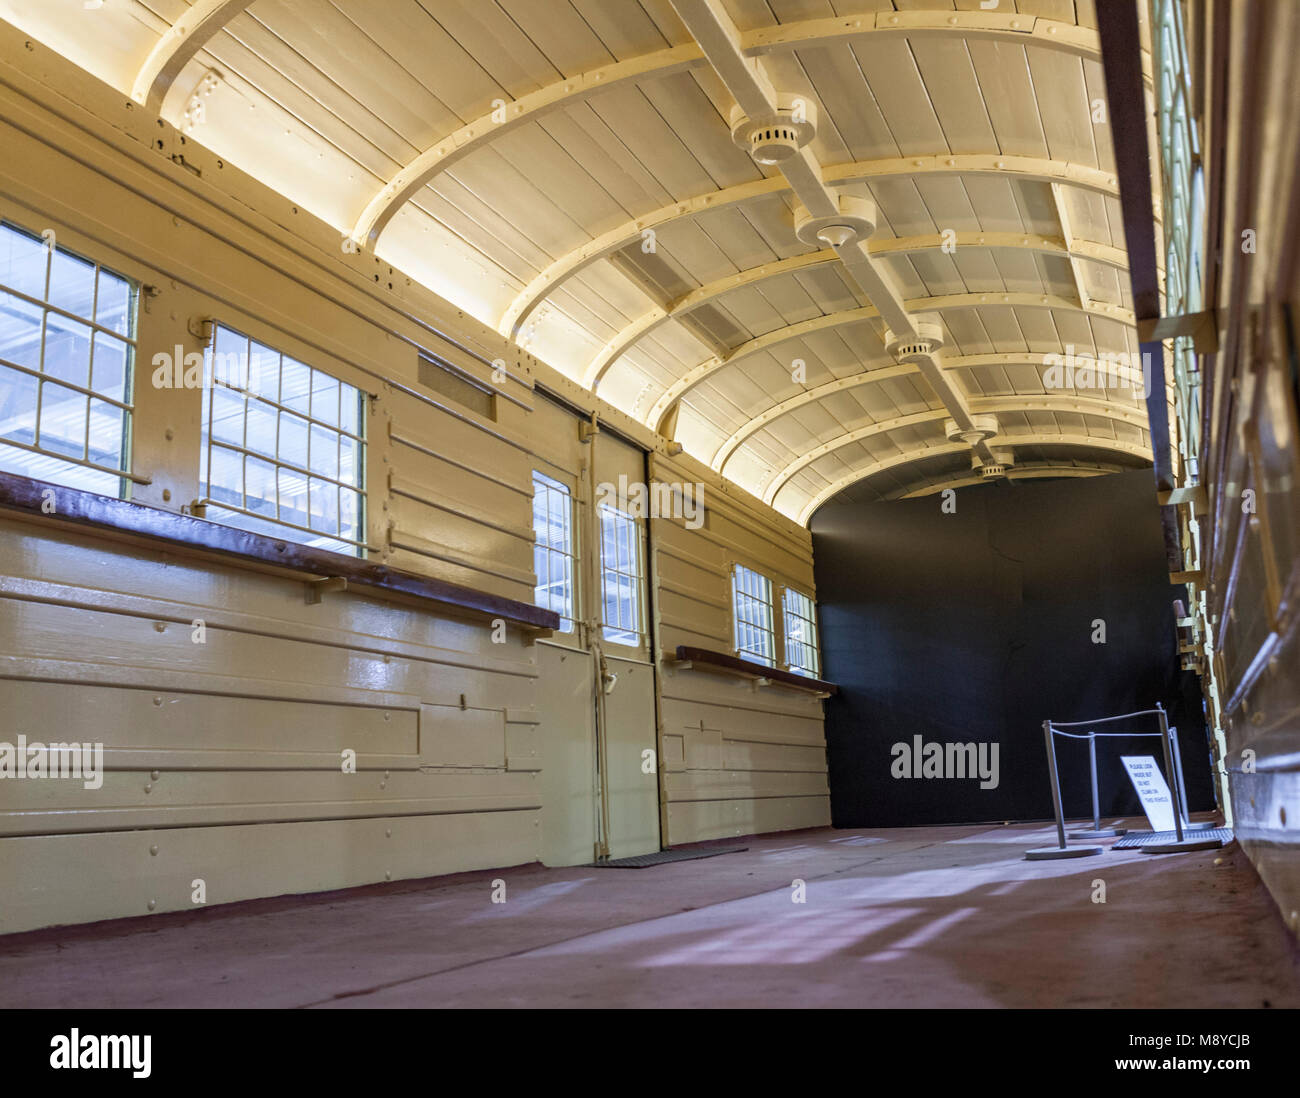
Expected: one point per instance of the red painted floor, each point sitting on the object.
(913, 917)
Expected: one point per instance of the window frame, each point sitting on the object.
(275, 526)
(129, 338)
(610, 631)
(768, 603)
(788, 642)
(569, 553)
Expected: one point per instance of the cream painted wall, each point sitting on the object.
(224, 756)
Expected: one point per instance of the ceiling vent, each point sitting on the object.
(776, 138)
(927, 341)
(1004, 461)
(982, 427)
(855, 221)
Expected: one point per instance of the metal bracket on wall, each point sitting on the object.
(316, 588)
(201, 328)
(1202, 327)
(1194, 495)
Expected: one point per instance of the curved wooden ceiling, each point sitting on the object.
(564, 170)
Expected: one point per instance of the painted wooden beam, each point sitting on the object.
(628, 336)
(1073, 405)
(656, 65)
(174, 50)
(1002, 442)
(698, 374)
(874, 377)
(645, 228)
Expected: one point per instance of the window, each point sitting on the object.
(620, 558)
(801, 651)
(67, 351)
(752, 596)
(283, 451)
(553, 552)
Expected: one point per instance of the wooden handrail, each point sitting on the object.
(106, 514)
(724, 661)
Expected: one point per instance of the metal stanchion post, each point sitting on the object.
(1062, 851)
(1182, 842)
(1188, 825)
(1169, 770)
(1092, 773)
(1097, 832)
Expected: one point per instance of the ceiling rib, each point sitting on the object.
(1019, 472)
(1074, 405)
(1003, 442)
(507, 116)
(178, 45)
(698, 374)
(627, 337)
(1032, 169)
(727, 450)
(757, 98)
(812, 33)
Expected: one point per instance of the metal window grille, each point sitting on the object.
(283, 446)
(67, 356)
(554, 552)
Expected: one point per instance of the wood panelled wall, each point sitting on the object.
(223, 756)
(1247, 515)
(738, 758)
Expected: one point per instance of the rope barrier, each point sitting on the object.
(1106, 720)
(1090, 735)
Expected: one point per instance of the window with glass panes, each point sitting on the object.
(620, 560)
(283, 446)
(67, 351)
(799, 615)
(752, 600)
(1183, 200)
(553, 552)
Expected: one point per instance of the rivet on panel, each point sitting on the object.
(388, 833)
(152, 904)
(153, 850)
(388, 874)
(155, 774)
(148, 788)
(157, 700)
(160, 626)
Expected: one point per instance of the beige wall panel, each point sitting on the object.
(460, 550)
(244, 731)
(98, 573)
(462, 738)
(697, 821)
(567, 734)
(475, 453)
(693, 578)
(752, 755)
(204, 798)
(703, 747)
(740, 698)
(723, 785)
(140, 652)
(57, 879)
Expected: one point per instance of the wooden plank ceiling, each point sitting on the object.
(565, 170)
